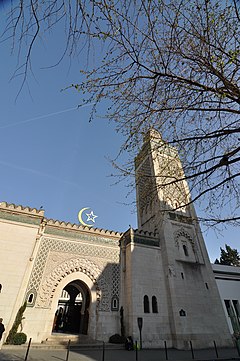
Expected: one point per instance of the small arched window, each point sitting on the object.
(30, 298)
(154, 304)
(146, 304)
(115, 303)
(185, 250)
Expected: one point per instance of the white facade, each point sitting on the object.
(228, 283)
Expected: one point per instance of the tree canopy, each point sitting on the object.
(169, 64)
(229, 257)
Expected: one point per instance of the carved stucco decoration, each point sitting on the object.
(183, 235)
(50, 283)
(53, 253)
(54, 259)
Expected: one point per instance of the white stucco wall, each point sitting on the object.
(17, 243)
(228, 283)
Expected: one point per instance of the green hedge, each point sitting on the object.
(19, 338)
(117, 339)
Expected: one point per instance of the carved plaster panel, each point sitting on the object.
(61, 257)
(52, 279)
(184, 239)
(182, 235)
(55, 259)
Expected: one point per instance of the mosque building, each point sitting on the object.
(104, 282)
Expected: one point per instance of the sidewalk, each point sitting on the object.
(18, 354)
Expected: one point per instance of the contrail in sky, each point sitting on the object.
(44, 116)
(40, 173)
(50, 176)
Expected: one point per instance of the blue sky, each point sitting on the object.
(51, 156)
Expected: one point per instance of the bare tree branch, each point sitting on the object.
(172, 65)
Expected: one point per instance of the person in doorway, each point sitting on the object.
(59, 319)
(2, 328)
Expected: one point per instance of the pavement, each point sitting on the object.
(37, 354)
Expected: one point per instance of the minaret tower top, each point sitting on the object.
(160, 182)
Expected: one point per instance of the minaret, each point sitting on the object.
(160, 184)
(194, 308)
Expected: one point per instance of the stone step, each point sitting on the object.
(60, 341)
(64, 338)
(46, 346)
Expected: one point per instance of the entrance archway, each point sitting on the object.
(72, 314)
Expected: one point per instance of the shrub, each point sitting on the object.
(16, 324)
(117, 339)
(19, 338)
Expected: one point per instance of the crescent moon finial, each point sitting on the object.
(80, 217)
(90, 217)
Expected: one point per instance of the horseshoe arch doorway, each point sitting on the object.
(72, 313)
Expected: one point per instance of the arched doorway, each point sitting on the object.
(72, 314)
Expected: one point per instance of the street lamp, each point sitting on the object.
(140, 325)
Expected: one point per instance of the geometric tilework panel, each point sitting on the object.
(115, 280)
(101, 264)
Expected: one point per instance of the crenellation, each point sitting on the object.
(21, 209)
(73, 226)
